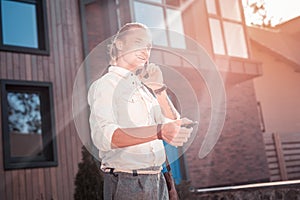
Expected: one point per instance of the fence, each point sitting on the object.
(283, 155)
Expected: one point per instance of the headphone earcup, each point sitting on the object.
(119, 45)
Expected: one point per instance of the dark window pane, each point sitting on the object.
(24, 124)
(19, 24)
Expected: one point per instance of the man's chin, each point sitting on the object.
(139, 68)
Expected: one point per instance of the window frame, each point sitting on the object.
(165, 6)
(42, 30)
(49, 157)
(219, 17)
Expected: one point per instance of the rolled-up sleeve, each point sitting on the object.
(102, 119)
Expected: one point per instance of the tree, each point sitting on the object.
(24, 113)
(256, 13)
(89, 181)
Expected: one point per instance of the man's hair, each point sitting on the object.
(113, 51)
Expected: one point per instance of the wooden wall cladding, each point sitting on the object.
(60, 68)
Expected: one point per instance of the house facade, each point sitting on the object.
(41, 48)
(38, 77)
(277, 93)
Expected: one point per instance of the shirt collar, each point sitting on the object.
(121, 71)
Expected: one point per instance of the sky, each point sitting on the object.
(281, 10)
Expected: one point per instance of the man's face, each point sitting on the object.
(135, 47)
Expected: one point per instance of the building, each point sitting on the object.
(277, 93)
(38, 70)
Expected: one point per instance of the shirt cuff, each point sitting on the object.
(108, 133)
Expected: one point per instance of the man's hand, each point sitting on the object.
(174, 134)
(152, 74)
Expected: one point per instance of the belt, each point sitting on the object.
(154, 170)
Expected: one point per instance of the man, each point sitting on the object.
(128, 121)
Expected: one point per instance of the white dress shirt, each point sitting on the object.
(119, 100)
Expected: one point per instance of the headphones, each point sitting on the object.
(119, 45)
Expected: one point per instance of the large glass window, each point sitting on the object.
(226, 27)
(165, 17)
(211, 6)
(230, 9)
(156, 20)
(174, 22)
(217, 37)
(23, 26)
(24, 122)
(19, 18)
(235, 39)
(28, 125)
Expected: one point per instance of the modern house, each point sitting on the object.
(278, 95)
(42, 47)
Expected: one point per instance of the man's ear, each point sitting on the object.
(119, 45)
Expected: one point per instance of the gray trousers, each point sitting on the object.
(125, 186)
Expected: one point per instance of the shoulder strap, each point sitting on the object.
(149, 89)
(167, 162)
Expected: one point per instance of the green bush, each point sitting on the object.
(88, 181)
(183, 190)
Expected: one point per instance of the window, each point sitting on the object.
(27, 124)
(164, 16)
(23, 26)
(226, 27)
(230, 9)
(217, 38)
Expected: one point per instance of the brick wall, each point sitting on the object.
(239, 156)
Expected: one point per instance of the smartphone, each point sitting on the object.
(146, 76)
(142, 70)
(190, 125)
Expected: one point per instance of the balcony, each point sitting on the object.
(234, 70)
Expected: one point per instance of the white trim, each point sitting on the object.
(255, 185)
